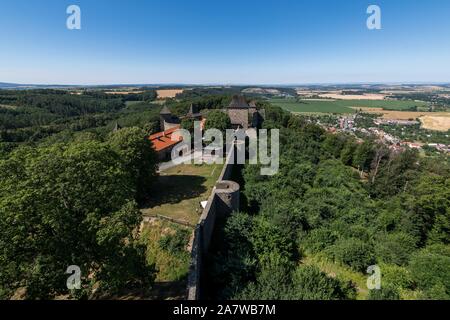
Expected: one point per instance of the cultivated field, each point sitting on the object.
(402, 115)
(366, 96)
(341, 106)
(395, 114)
(168, 93)
(339, 95)
(438, 123)
(311, 106)
(123, 92)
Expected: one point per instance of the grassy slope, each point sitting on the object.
(170, 267)
(341, 272)
(347, 274)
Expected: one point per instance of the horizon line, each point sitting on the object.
(184, 84)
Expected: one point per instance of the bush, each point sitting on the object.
(319, 239)
(309, 283)
(217, 120)
(272, 282)
(396, 277)
(175, 243)
(430, 269)
(385, 293)
(268, 239)
(354, 253)
(395, 248)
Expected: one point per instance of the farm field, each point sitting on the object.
(131, 91)
(168, 93)
(398, 114)
(438, 123)
(311, 106)
(339, 95)
(384, 104)
(342, 106)
(367, 96)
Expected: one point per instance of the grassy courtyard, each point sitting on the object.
(177, 195)
(180, 190)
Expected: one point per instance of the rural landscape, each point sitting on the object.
(370, 178)
(213, 159)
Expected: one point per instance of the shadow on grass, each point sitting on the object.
(176, 188)
(172, 290)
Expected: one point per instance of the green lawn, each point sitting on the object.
(177, 195)
(180, 190)
(385, 104)
(341, 106)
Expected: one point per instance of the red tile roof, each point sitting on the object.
(163, 140)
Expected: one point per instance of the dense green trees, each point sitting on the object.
(395, 215)
(217, 120)
(138, 157)
(31, 116)
(430, 271)
(73, 204)
(69, 190)
(188, 124)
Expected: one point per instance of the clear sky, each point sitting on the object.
(224, 42)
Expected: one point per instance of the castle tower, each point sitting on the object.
(167, 120)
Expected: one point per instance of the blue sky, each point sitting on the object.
(224, 42)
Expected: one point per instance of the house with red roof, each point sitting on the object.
(163, 142)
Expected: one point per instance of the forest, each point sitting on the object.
(70, 191)
(337, 202)
(71, 187)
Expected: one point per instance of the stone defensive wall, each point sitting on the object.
(223, 200)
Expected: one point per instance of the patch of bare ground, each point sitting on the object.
(437, 123)
(168, 93)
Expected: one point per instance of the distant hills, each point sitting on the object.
(255, 89)
(8, 85)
